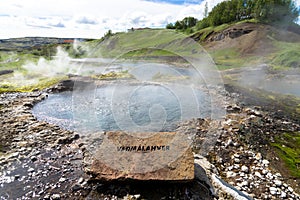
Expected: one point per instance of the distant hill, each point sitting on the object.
(20, 44)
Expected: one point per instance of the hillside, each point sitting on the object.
(232, 45)
(247, 38)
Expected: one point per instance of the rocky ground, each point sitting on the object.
(243, 165)
(41, 161)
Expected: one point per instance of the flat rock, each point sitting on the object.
(159, 156)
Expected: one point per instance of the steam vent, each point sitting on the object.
(121, 156)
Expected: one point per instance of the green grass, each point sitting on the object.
(287, 55)
(224, 26)
(138, 43)
(215, 28)
(231, 58)
(41, 84)
(288, 148)
(141, 44)
(203, 33)
(14, 61)
(255, 21)
(147, 52)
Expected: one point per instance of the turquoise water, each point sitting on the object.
(119, 107)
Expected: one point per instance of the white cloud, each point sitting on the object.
(137, 18)
(86, 20)
(58, 25)
(90, 18)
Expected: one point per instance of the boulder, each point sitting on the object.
(3, 72)
(161, 156)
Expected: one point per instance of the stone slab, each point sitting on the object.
(159, 156)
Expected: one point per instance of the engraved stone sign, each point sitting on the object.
(122, 156)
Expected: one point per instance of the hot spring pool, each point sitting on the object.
(124, 107)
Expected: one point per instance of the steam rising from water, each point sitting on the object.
(288, 82)
(33, 72)
(60, 65)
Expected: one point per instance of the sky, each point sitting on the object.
(92, 18)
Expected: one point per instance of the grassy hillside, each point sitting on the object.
(250, 43)
(136, 41)
(287, 55)
(164, 44)
(246, 43)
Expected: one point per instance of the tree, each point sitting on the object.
(269, 11)
(170, 26)
(178, 25)
(189, 22)
(108, 34)
(202, 24)
(186, 23)
(276, 11)
(206, 10)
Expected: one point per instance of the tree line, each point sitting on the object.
(266, 11)
(185, 24)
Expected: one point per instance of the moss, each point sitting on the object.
(42, 84)
(113, 75)
(271, 97)
(298, 109)
(288, 148)
(7, 87)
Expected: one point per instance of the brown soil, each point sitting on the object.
(250, 38)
